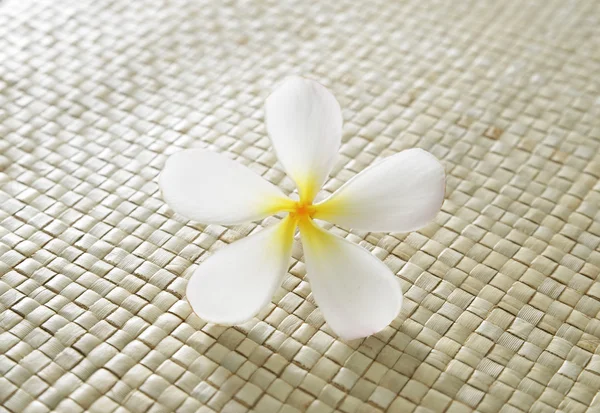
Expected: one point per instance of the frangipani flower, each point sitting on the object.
(357, 293)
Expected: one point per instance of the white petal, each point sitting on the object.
(236, 282)
(357, 293)
(399, 194)
(212, 189)
(305, 124)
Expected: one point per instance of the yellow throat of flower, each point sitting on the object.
(302, 211)
(298, 210)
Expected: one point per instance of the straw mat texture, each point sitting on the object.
(502, 290)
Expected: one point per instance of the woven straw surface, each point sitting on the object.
(502, 290)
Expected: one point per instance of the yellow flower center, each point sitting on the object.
(302, 210)
(297, 209)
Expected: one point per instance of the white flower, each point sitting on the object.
(357, 293)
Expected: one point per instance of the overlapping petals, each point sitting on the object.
(357, 294)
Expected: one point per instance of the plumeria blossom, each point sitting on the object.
(357, 293)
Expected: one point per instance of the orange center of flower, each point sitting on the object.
(302, 210)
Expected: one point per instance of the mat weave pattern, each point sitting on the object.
(502, 290)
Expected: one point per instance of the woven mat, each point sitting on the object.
(502, 291)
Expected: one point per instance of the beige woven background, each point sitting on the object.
(502, 291)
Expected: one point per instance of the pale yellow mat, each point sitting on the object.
(502, 290)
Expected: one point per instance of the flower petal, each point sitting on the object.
(305, 124)
(212, 189)
(357, 293)
(400, 194)
(236, 282)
